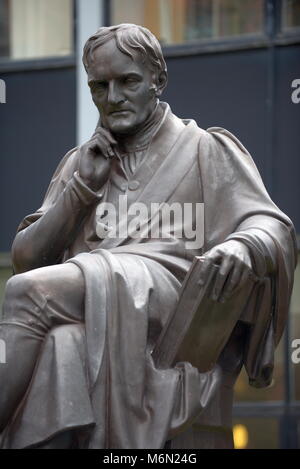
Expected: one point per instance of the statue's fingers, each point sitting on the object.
(221, 277)
(93, 145)
(206, 265)
(246, 274)
(101, 132)
(212, 257)
(109, 136)
(110, 151)
(233, 281)
(105, 144)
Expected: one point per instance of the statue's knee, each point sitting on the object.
(20, 285)
(22, 294)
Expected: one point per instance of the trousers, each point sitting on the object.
(34, 303)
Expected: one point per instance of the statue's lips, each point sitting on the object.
(119, 113)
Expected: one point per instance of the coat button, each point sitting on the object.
(134, 185)
(124, 186)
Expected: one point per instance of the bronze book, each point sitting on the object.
(200, 327)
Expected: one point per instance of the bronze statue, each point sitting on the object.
(94, 287)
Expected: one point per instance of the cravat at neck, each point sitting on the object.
(141, 139)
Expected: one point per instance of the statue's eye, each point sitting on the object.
(98, 86)
(101, 85)
(131, 81)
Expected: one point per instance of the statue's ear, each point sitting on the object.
(161, 83)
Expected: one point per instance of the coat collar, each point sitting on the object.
(164, 138)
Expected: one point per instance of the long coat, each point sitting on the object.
(99, 376)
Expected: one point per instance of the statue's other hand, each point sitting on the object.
(235, 263)
(95, 159)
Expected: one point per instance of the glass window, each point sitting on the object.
(256, 433)
(179, 21)
(36, 28)
(290, 14)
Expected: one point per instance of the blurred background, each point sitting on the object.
(231, 63)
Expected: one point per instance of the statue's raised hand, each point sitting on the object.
(235, 263)
(95, 159)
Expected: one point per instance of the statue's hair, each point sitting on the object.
(130, 38)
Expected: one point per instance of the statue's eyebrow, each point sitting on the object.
(131, 74)
(93, 82)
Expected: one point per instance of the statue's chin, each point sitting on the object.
(120, 126)
(123, 129)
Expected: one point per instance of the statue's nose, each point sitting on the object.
(115, 95)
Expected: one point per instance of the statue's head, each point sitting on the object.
(126, 74)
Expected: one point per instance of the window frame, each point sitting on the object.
(287, 32)
(272, 35)
(8, 64)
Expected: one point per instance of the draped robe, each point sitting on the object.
(99, 376)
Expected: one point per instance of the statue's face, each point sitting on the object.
(120, 88)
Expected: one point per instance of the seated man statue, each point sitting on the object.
(95, 283)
